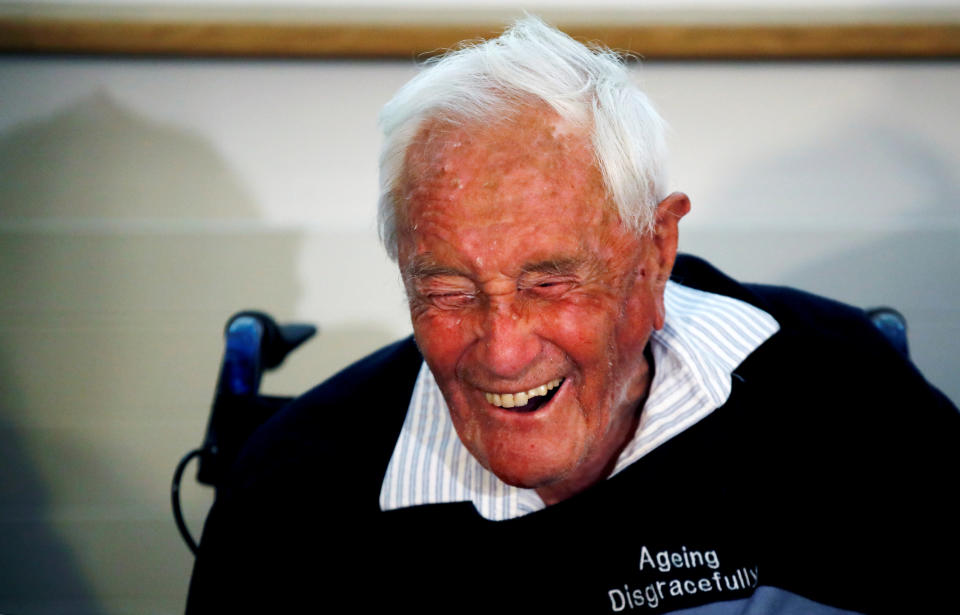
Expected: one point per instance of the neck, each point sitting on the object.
(594, 470)
(589, 473)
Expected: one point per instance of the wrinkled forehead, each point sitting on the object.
(501, 163)
(533, 135)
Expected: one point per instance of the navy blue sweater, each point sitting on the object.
(824, 481)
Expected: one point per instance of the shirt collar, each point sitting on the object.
(704, 338)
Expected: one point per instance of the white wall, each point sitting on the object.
(143, 201)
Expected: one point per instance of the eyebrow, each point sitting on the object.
(424, 266)
(558, 266)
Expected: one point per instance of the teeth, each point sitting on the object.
(518, 400)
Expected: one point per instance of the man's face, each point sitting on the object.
(531, 302)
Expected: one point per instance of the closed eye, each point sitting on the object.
(444, 291)
(549, 288)
(449, 301)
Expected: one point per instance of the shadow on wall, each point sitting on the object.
(34, 560)
(99, 160)
(912, 268)
(124, 246)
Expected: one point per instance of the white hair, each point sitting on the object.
(589, 87)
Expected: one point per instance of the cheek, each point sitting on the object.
(643, 313)
(582, 329)
(442, 338)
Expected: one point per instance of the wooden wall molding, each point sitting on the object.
(259, 39)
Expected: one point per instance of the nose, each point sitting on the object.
(509, 343)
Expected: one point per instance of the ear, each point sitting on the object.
(662, 247)
(665, 232)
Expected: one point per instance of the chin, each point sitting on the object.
(525, 449)
(530, 472)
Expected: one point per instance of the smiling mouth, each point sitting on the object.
(525, 401)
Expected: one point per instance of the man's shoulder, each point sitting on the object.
(782, 302)
(804, 317)
(385, 373)
(305, 485)
(827, 365)
(826, 344)
(361, 408)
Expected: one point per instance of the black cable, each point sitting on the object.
(175, 499)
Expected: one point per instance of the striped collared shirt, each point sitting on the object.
(704, 338)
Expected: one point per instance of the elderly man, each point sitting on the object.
(571, 430)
